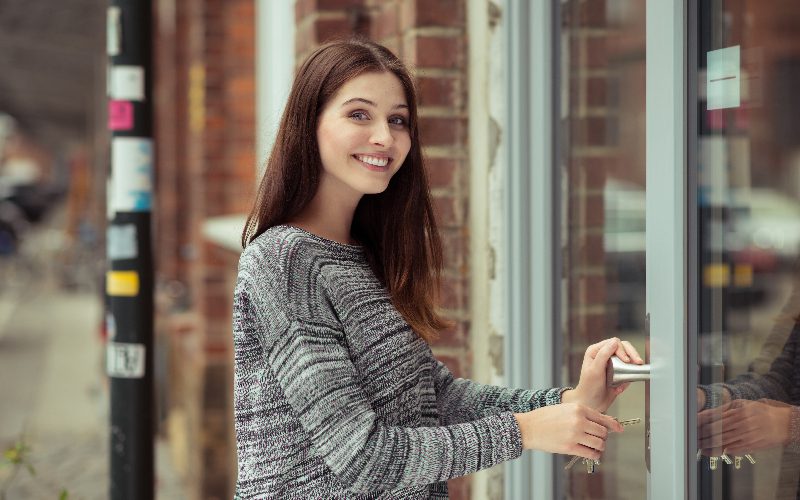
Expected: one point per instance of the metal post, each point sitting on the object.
(129, 280)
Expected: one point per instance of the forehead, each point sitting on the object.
(384, 89)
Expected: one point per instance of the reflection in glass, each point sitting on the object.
(748, 220)
(601, 149)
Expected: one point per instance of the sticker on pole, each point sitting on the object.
(122, 283)
(113, 31)
(121, 242)
(131, 174)
(127, 83)
(120, 115)
(125, 360)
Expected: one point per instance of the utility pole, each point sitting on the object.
(129, 279)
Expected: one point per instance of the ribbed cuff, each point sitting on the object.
(561, 392)
(505, 443)
(713, 395)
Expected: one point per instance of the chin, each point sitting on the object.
(373, 187)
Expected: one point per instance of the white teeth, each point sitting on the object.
(372, 160)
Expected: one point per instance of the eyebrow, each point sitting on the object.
(367, 101)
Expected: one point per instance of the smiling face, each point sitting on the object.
(363, 135)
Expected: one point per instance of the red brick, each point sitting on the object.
(446, 13)
(302, 8)
(453, 293)
(328, 29)
(455, 247)
(590, 290)
(436, 52)
(437, 131)
(589, 251)
(596, 54)
(455, 336)
(385, 23)
(338, 4)
(441, 172)
(437, 91)
(596, 91)
(595, 210)
(444, 208)
(592, 171)
(589, 131)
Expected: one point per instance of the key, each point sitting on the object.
(725, 458)
(629, 421)
(750, 457)
(571, 462)
(737, 462)
(590, 464)
(712, 462)
(699, 455)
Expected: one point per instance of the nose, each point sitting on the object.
(381, 134)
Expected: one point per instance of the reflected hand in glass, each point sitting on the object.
(743, 426)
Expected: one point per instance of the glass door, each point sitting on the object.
(684, 118)
(744, 165)
(600, 159)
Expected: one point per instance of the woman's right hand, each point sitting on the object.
(568, 428)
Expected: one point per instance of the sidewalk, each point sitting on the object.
(54, 393)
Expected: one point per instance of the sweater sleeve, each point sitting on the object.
(321, 385)
(776, 384)
(463, 400)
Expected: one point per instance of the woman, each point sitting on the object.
(337, 393)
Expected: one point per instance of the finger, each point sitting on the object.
(592, 350)
(622, 353)
(620, 389)
(593, 442)
(709, 430)
(632, 352)
(596, 429)
(707, 417)
(604, 354)
(609, 423)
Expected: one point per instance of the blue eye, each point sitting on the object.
(398, 120)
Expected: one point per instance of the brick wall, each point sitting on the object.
(205, 134)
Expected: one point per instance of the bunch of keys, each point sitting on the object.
(588, 462)
(713, 462)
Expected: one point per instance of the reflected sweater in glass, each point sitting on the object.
(335, 396)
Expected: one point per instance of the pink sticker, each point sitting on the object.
(120, 115)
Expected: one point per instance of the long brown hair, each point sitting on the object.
(396, 227)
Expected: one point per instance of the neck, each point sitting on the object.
(329, 215)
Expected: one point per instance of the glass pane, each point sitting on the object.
(748, 221)
(601, 154)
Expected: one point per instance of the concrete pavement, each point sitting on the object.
(54, 394)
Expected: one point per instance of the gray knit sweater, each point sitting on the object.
(335, 396)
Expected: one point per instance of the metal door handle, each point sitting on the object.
(619, 372)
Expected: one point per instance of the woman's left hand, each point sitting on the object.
(592, 390)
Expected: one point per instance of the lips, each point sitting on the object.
(375, 163)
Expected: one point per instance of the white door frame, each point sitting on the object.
(666, 247)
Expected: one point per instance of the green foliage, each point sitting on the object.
(17, 456)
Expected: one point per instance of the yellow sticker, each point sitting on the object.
(122, 283)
